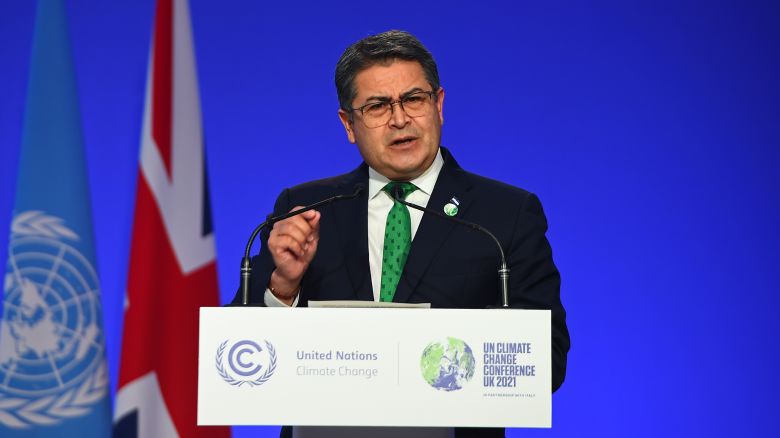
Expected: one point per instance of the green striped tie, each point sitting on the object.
(398, 240)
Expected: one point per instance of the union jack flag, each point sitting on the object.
(172, 259)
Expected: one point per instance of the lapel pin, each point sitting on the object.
(450, 209)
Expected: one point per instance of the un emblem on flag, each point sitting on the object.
(246, 361)
(52, 364)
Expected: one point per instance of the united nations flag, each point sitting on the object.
(53, 377)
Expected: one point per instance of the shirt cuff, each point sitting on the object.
(271, 300)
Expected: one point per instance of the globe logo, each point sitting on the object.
(447, 365)
(52, 364)
(247, 362)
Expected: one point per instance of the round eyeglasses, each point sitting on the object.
(415, 104)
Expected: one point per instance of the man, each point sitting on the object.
(373, 248)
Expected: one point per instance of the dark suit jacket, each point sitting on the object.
(449, 266)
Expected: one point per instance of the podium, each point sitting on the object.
(374, 367)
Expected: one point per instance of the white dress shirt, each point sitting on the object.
(379, 205)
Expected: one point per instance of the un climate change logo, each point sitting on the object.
(247, 362)
(447, 365)
(52, 364)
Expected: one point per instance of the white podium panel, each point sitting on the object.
(374, 367)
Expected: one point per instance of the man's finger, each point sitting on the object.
(306, 214)
(310, 214)
(311, 249)
(314, 221)
(298, 231)
(287, 243)
(315, 218)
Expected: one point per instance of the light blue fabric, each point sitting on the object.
(53, 377)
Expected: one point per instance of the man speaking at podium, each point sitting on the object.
(375, 248)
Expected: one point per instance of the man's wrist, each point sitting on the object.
(282, 289)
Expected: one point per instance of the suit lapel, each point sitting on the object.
(351, 219)
(433, 231)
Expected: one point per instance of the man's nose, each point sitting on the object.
(398, 116)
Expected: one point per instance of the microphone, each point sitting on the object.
(246, 267)
(503, 270)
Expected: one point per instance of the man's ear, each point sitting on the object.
(440, 104)
(346, 120)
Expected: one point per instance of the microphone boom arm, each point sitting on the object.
(246, 265)
(503, 270)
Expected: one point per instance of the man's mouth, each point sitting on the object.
(403, 141)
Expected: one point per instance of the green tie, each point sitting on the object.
(398, 240)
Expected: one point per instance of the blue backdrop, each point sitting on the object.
(650, 130)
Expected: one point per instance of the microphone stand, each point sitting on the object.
(246, 266)
(503, 270)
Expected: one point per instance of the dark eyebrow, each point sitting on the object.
(412, 91)
(379, 98)
(387, 99)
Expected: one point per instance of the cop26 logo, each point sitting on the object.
(247, 362)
